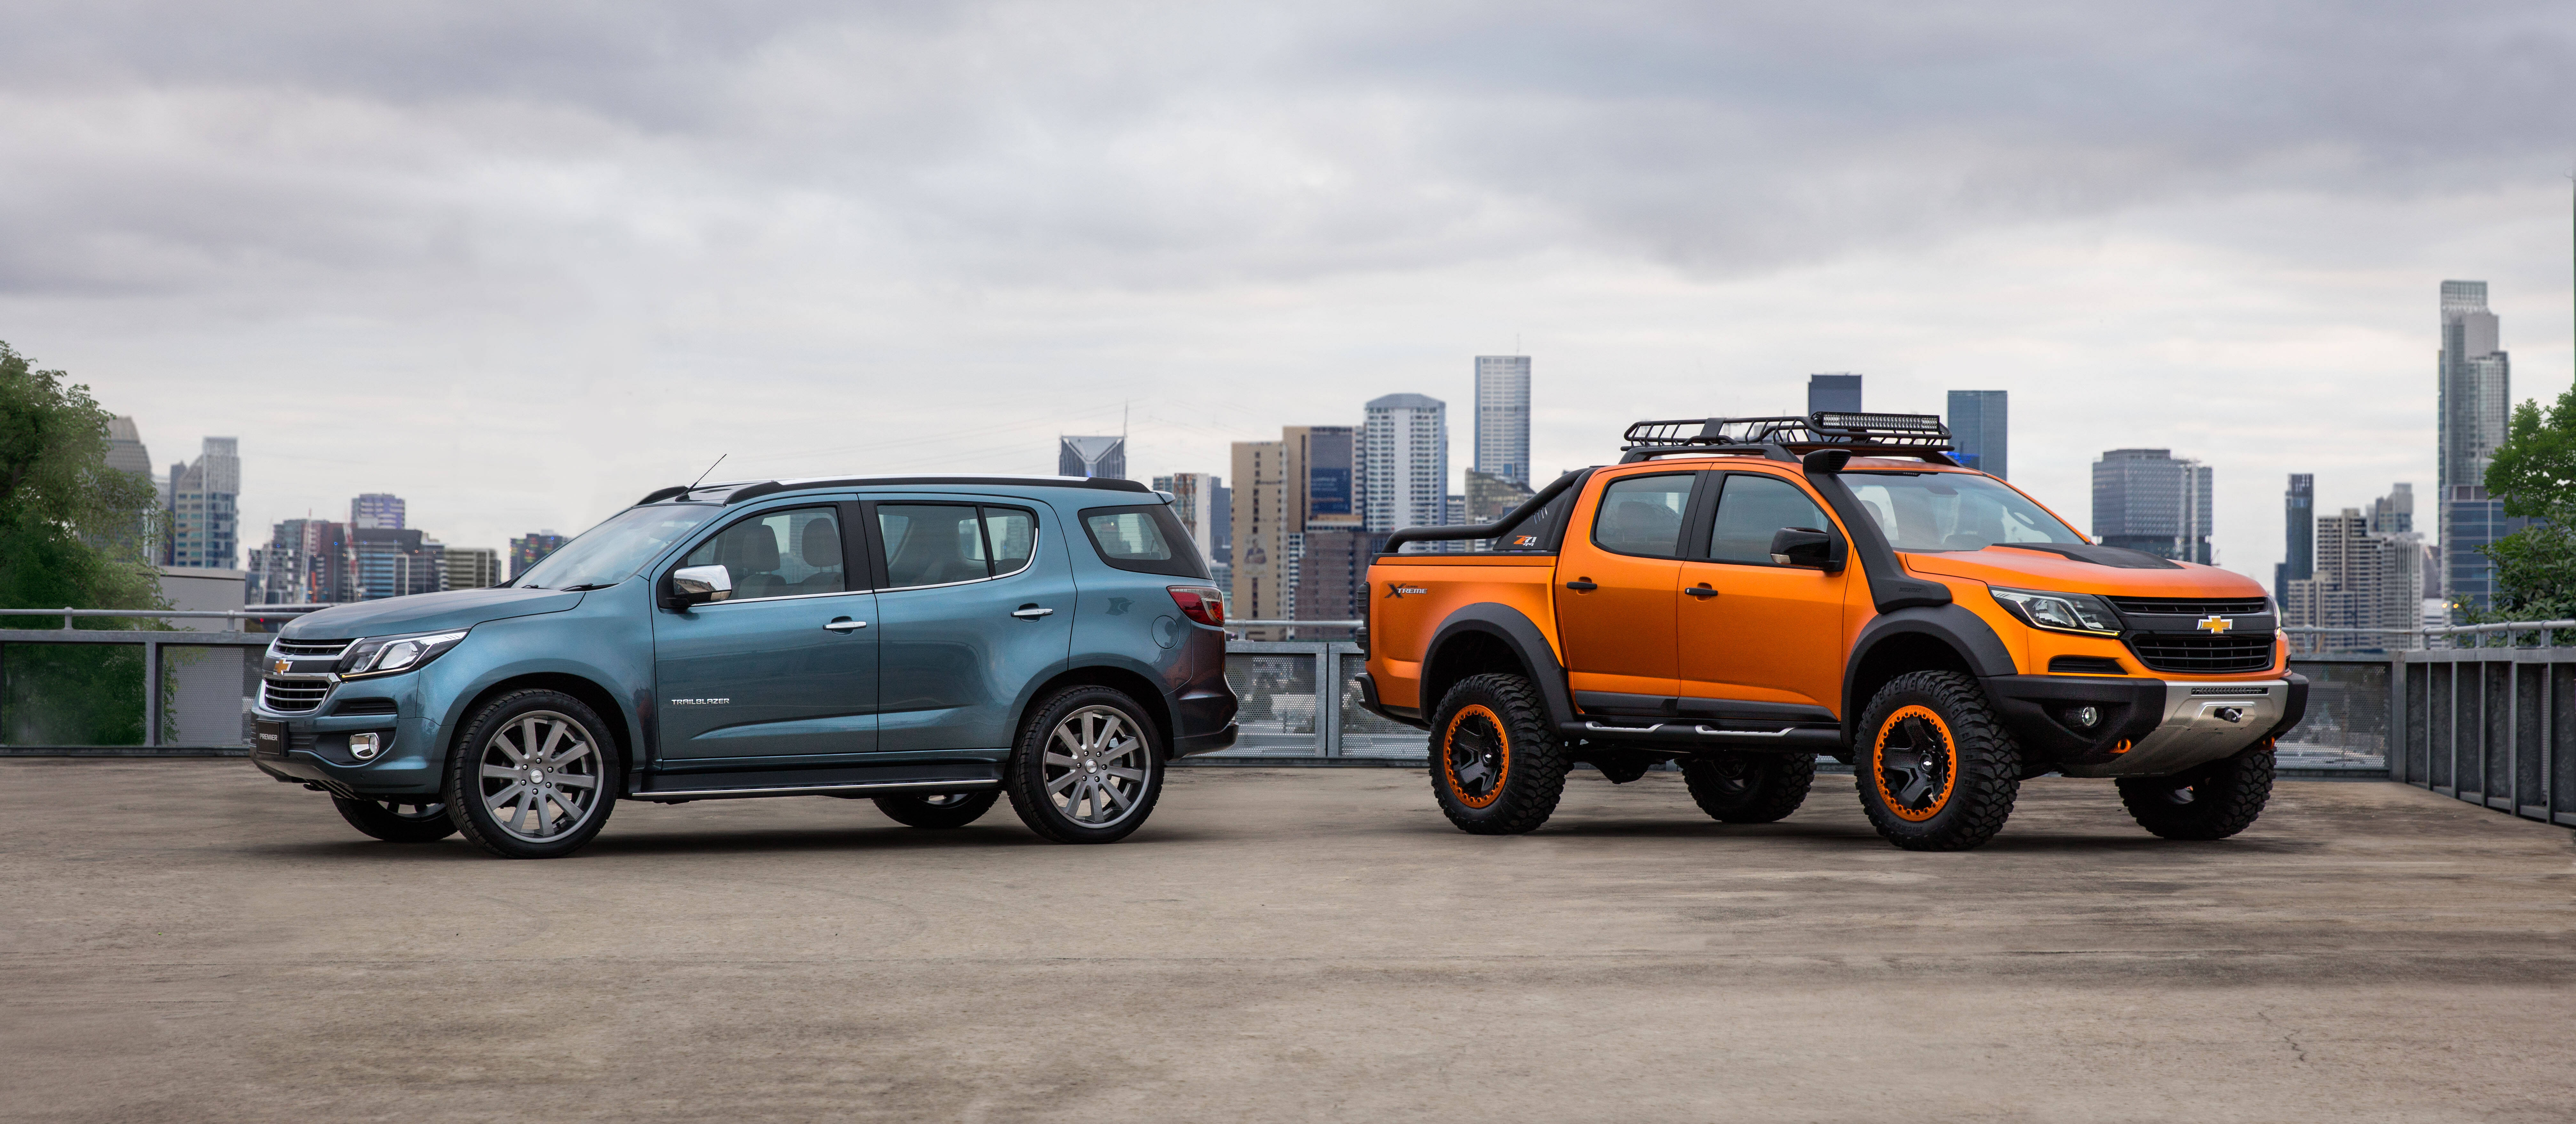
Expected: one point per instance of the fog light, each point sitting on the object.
(2085, 716)
(362, 746)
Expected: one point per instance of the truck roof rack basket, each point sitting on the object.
(1921, 436)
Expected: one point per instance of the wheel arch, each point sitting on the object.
(1489, 637)
(1932, 638)
(1135, 684)
(598, 698)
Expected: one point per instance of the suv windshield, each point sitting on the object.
(605, 554)
(1952, 511)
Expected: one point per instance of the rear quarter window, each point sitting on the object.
(1145, 539)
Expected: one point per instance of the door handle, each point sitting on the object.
(1582, 585)
(1031, 612)
(1701, 590)
(845, 624)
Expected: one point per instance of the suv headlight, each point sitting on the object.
(385, 655)
(2059, 612)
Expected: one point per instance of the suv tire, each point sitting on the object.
(1738, 787)
(1094, 749)
(2212, 801)
(944, 810)
(397, 821)
(545, 757)
(1936, 770)
(1497, 767)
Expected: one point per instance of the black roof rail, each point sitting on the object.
(1097, 483)
(1922, 436)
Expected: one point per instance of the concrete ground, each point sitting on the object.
(187, 940)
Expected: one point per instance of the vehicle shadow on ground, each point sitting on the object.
(713, 842)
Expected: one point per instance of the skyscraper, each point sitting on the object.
(1194, 499)
(2148, 500)
(386, 562)
(2394, 513)
(1838, 393)
(472, 567)
(526, 552)
(1503, 417)
(376, 511)
(1980, 429)
(125, 453)
(204, 495)
(1104, 456)
(2476, 396)
(2362, 581)
(2299, 511)
(1407, 461)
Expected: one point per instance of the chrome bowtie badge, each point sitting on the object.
(2215, 625)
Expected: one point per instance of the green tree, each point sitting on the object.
(73, 533)
(2534, 473)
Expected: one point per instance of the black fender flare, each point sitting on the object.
(1518, 633)
(1960, 630)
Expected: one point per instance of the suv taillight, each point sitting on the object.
(1201, 603)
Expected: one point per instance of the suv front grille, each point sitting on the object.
(293, 696)
(2192, 606)
(308, 649)
(2203, 655)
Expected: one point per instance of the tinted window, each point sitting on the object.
(1012, 535)
(1147, 539)
(778, 554)
(1952, 511)
(1643, 515)
(931, 544)
(1751, 510)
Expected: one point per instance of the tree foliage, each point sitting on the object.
(2534, 474)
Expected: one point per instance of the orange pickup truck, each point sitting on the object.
(1743, 595)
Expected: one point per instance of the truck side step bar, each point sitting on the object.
(1685, 734)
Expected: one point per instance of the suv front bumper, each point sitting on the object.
(2146, 727)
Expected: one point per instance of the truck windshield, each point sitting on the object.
(1952, 511)
(605, 554)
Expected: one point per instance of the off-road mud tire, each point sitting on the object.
(426, 823)
(958, 810)
(1516, 764)
(1979, 765)
(2212, 801)
(1738, 787)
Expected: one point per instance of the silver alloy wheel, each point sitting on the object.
(540, 776)
(1096, 765)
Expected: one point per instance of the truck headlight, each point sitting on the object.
(385, 655)
(2059, 612)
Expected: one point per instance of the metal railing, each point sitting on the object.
(156, 669)
(2495, 726)
(2306, 640)
(1300, 706)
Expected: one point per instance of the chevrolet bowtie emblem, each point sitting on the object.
(284, 666)
(2216, 624)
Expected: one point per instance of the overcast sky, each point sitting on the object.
(522, 264)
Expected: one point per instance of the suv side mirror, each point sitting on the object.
(1806, 546)
(697, 585)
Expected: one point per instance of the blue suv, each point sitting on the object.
(928, 642)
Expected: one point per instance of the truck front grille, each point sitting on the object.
(308, 649)
(2203, 655)
(293, 696)
(2192, 606)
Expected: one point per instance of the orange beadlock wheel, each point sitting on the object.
(1914, 760)
(1475, 756)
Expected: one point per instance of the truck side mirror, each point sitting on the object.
(1805, 546)
(698, 585)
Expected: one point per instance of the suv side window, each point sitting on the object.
(1751, 509)
(1642, 515)
(778, 554)
(1144, 539)
(947, 543)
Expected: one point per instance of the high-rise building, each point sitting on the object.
(394, 563)
(1092, 456)
(2148, 500)
(2299, 511)
(125, 453)
(1836, 393)
(1194, 499)
(2362, 581)
(472, 567)
(1406, 462)
(2476, 401)
(306, 562)
(526, 552)
(1981, 430)
(1332, 573)
(1503, 417)
(2394, 513)
(1259, 517)
(1307, 481)
(204, 496)
(376, 511)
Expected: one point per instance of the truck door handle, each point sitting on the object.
(845, 624)
(1582, 585)
(1701, 590)
(1031, 612)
